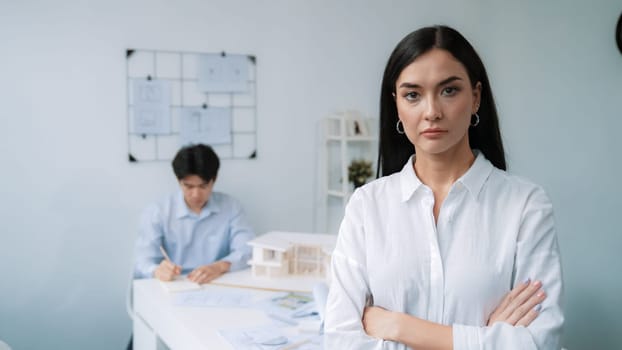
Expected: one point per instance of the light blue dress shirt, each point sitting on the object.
(219, 232)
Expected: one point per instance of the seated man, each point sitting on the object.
(203, 232)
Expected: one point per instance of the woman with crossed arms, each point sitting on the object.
(446, 250)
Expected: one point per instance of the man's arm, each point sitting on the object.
(240, 232)
(147, 246)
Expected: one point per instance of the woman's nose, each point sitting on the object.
(432, 109)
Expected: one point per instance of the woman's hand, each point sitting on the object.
(520, 306)
(380, 323)
(402, 328)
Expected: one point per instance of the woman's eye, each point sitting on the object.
(449, 91)
(411, 96)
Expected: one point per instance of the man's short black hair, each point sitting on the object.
(200, 160)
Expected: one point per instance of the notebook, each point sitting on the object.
(179, 284)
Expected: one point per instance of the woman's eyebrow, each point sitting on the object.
(449, 80)
(415, 86)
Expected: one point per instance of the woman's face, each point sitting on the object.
(435, 101)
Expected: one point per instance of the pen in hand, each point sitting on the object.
(167, 270)
(165, 255)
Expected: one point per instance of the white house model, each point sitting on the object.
(278, 254)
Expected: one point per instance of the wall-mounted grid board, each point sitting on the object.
(181, 73)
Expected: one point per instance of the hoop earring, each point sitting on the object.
(474, 124)
(397, 127)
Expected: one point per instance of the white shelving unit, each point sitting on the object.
(345, 136)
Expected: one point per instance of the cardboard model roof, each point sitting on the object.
(282, 241)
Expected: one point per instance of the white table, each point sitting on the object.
(158, 324)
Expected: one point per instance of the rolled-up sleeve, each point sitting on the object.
(147, 248)
(349, 287)
(240, 232)
(537, 257)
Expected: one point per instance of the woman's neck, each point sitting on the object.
(440, 171)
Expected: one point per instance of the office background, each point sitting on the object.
(71, 201)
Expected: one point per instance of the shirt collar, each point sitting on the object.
(477, 174)
(409, 180)
(473, 179)
(183, 210)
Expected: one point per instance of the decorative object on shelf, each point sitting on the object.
(357, 126)
(359, 171)
(344, 135)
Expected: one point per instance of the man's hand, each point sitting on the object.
(206, 273)
(520, 306)
(166, 271)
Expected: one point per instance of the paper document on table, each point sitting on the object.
(290, 308)
(214, 298)
(179, 284)
(290, 302)
(320, 294)
(270, 338)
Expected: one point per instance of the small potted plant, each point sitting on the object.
(359, 171)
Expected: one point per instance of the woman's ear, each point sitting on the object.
(477, 97)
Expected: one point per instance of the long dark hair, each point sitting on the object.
(395, 149)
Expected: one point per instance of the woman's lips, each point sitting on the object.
(433, 132)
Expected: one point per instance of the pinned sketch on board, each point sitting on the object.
(210, 126)
(152, 105)
(175, 98)
(223, 73)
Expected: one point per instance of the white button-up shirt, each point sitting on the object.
(493, 231)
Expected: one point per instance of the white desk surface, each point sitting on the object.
(185, 327)
(244, 279)
(182, 327)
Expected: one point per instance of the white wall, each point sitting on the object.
(557, 71)
(70, 199)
